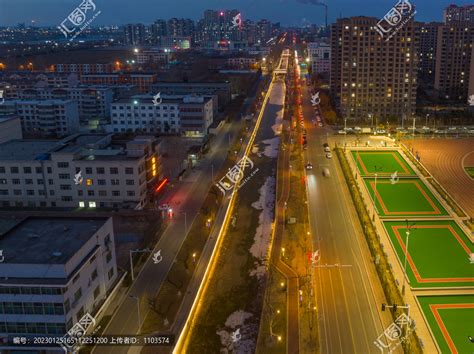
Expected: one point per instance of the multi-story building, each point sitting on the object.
(153, 55)
(264, 31)
(320, 57)
(372, 77)
(80, 69)
(158, 30)
(54, 271)
(454, 61)
(142, 80)
(82, 170)
(140, 114)
(51, 117)
(135, 34)
(221, 89)
(92, 101)
(195, 115)
(459, 14)
(217, 26)
(427, 50)
(10, 128)
(242, 62)
(180, 27)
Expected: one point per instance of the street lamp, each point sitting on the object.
(406, 254)
(138, 310)
(194, 257)
(283, 252)
(131, 258)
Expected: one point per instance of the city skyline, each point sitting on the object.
(51, 12)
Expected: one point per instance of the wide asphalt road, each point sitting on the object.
(349, 294)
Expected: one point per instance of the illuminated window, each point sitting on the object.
(89, 182)
(81, 205)
(92, 205)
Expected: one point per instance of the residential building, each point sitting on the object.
(459, 14)
(195, 115)
(454, 61)
(80, 69)
(54, 271)
(142, 80)
(50, 117)
(320, 57)
(372, 77)
(135, 34)
(221, 89)
(92, 101)
(427, 50)
(153, 55)
(10, 128)
(82, 170)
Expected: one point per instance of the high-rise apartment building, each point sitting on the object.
(428, 33)
(372, 77)
(459, 14)
(135, 34)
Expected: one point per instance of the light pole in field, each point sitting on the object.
(407, 232)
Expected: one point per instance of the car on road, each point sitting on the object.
(327, 149)
(326, 172)
(357, 129)
(309, 166)
(342, 132)
(329, 155)
(381, 131)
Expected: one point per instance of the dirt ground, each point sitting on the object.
(446, 159)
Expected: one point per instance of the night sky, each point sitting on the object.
(288, 12)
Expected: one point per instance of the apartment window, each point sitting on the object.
(96, 292)
(39, 169)
(90, 193)
(50, 182)
(63, 164)
(3, 191)
(65, 187)
(92, 259)
(76, 278)
(100, 170)
(80, 193)
(89, 182)
(110, 273)
(115, 182)
(94, 274)
(2, 169)
(116, 193)
(64, 176)
(108, 257)
(66, 198)
(51, 193)
(102, 193)
(130, 182)
(17, 191)
(77, 294)
(30, 192)
(28, 181)
(101, 182)
(3, 181)
(40, 181)
(130, 193)
(88, 170)
(129, 170)
(27, 170)
(50, 170)
(16, 181)
(114, 171)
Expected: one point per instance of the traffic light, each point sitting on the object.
(383, 307)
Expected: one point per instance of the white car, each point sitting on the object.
(327, 149)
(381, 131)
(357, 129)
(329, 155)
(309, 166)
(342, 132)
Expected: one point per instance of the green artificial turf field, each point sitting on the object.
(406, 198)
(470, 171)
(438, 253)
(384, 163)
(451, 319)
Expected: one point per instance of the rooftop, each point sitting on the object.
(47, 240)
(22, 150)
